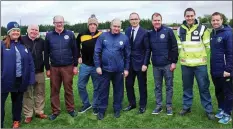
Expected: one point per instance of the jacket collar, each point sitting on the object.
(31, 39)
(64, 30)
(158, 28)
(185, 23)
(89, 33)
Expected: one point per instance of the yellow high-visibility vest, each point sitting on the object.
(193, 44)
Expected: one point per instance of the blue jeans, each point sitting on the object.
(201, 75)
(85, 72)
(159, 73)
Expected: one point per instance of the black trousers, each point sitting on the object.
(17, 102)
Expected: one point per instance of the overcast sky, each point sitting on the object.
(42, 12)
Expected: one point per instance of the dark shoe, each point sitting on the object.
(141, 110)
(85, 108)
(129, 108)
(100, 116)
(41, 116)
(73, 113)
(16, 125)
(169, 111)
(28, 120)
(95, 111)
(185, 111)
(117, 114)
(53, 116)
(157, 110)
(210, 116)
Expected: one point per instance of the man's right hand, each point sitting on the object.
(48, 73)
(80, 60)
(99, 70)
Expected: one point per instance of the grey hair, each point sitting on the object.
(134, 13)
(57, 17)
(116, 20)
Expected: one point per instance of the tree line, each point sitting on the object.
(145, 23)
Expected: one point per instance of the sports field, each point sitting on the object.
(196, 119)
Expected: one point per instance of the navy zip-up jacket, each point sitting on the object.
(8, 68)
(112, 52)
(61, 49)
(221, 51)
(163, 45)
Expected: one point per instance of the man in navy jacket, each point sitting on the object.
(61, 51)
(139, 60)
(111, 57)
(164, 49)
(221, 66)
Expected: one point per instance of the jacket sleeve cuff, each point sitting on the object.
(47, 68)
(75, 64)
(97, 65)
(228, 70)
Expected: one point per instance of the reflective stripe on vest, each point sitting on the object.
(194, 49)
(202, 30)
(196, 61)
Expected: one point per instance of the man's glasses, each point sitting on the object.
(134, 19)
(58, 22)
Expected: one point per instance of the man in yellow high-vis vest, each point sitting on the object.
(193, 43)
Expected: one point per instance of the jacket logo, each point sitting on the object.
(219, 39)
(16, 25)
(66, 37)
(162, 36)
(26, 50)
(195, 32)
(121, 42)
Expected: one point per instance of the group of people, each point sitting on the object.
(111, 57)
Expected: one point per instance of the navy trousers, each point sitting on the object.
(117, 79)
(224, 93)
(142, 83)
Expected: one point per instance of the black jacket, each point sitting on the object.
(36, 47)
(86, 45)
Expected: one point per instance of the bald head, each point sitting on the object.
(33, 31)
(32, 26)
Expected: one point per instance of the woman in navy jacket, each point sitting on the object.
(17, 72)
(222, 66)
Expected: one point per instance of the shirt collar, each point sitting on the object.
(136, 29)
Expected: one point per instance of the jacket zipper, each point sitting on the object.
(60, 47)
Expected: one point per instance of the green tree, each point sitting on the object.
(3, 31)
(231, 23)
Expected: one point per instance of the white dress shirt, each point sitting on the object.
(135, 32)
